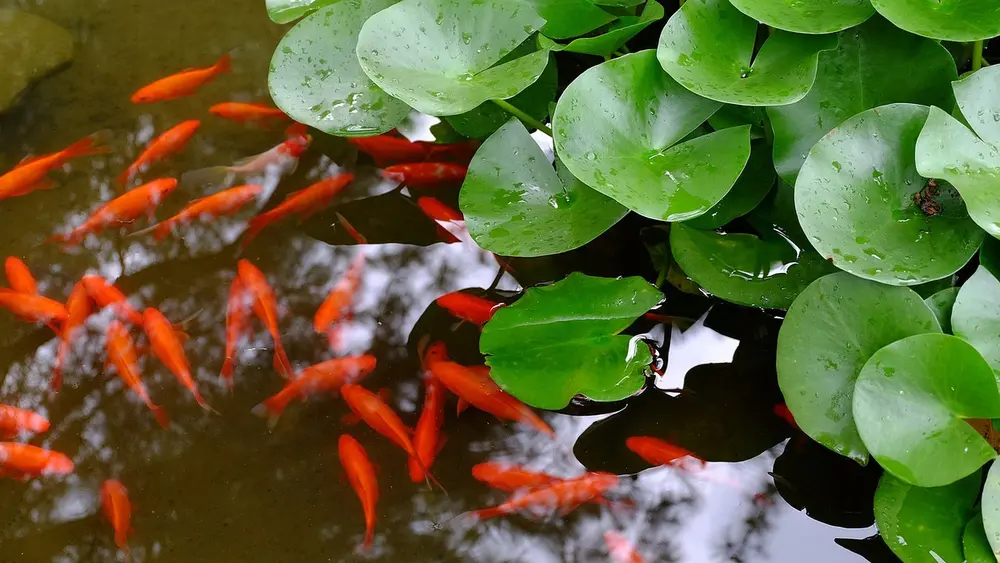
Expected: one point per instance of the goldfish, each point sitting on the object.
(509, 477)
(468, 307)
(33, 308)
(122, 355)
(181, 84)
(247, 113)
(427, 439)
(781, 410)
(281, 158)
(437, 210)
(303, 203)
(265, 305)
(30, 174)
(122, 210)
(351, 231)
(563, 496)
(426, 174)
(337, 305)
(361, 474)
(106, 294)
(165, 345)
(172, 141)
(78, 309)
(19, 277)
(388, 149)
(370, 408)
(118, 511)
(324, 377)
(237, 325)
(13, 421)
(219, 204)
(659, 452)
(620, 549)
(22, 460)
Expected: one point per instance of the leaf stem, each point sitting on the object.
(505, 105)
(977, 55)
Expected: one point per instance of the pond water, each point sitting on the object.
(219, 488)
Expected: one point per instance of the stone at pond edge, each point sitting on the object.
(30, 48)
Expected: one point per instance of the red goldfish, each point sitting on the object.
(167, 347)
(509, 477)
(121, 354)
(562, 496)
(220, 204)
(182, 84)
(13, 421)
(22, 461)
(620, 549)
(237, 325)
(123, 210)
(247, 113)
(324, 377)
(427, 439)
(781, 410)
(105, 294)
(361, 474)
(30, 174)
(659, 452)
(19, 277)
(426, 174)
(337, 305)
(438, 211)
(282, 158)
(265, 305)
(468, 307)
(303, 203)
(78, 309)
(389, 149)
(118, 510)
(351, 231)
(33, 308)
(172, 141)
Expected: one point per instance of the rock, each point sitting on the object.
(30, 48)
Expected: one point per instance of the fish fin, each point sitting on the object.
(28, 160)
(43, 184)
(162, 418)
(461, 406)
(416, 474)
(270, 409)
(442, 440)
(203, 404)
(88, 146)
(224, 65)
(386, 395)
(254, 227)
(484, 514)
(228, 366)
(281, 362)
(206, 176)
(123, 179)
(350, 419)
(369, 539)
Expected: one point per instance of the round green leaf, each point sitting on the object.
(975, 544)
(616, 126)
(855, 201)
(707, 46)
(750, 189)
(977, 97)
(515, 204)
(976, 315)
(562, 340)
(316, 80)
(941, 304)
(618, 33)
(953, 20)
(916, 522)
(287, 11)
(991, 508)
(440, 56)
(909, 404)
(830, 331)
(569, 18)
(861, 73)
(815, 16)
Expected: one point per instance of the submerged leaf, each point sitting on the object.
(287, 11)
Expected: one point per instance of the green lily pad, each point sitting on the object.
(976, 315)
(829, 332)
(618, 33)
(750, 189)
(440, 56)
(816, 16)
(941, 304)
(707, 46)
(315, 77)
(909, 404)
(855, 201)
(991, 507)
(616, 128)
(952, 20)
(861, 73)
(561, 340)
(916, 522)
(515, 204)
(977, 98)
(569, 18)
(975, 544)
(618, 3)
(731, 116)
(287, 11)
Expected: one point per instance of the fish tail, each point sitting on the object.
(162, 230)
(272, 408)
(281, 362)
(160, 413)
(428, 476)
(254, 227)
(369, 538)
(205, 176)
(224, 65)
(416, 474)
(125, 177)
(228, 366)
(486, 513)
(66, 238)
(87, 146)
(202, 403)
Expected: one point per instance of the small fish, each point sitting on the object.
(337, 306)
(181, 84)
(264, 304)
(33, 308)
(474, 309)
(122, 355)
(19, 277)
(361, 474)
(427, 439)
(237, 326)
(620, 549)
(351, 231)
(23, 461)
(167, 347)
(509, 477)
(281, 159)
(30, 175)
(781, 410)
(247, 113)
(562, 496)
(303, 203)
(219, 204)
(106, 294)
(172, 141)
(437, 210)
(118, 511)
(14, 421)
(659, 452)
(123, 210)
(324, 377)
(78, 308)
(426, 174)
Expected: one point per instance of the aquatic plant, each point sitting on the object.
(819, 157)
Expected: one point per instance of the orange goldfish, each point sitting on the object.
(167, 347)
(620, 549)
(33, 308)
(427, 439)
(247, 113)
(390, 148)
(563, 496)
(30, 174)
(468, 307)
(237, 325)
(120, 211)
(282, 158)
(509, 477)
(659, 452)
(78, 309)
(303, 203)
(118, 510)
(426, 174)
(220, 204)
(13, 421)
(182, 84)
(19, 277)
(437, 210)
(324, 377)
(105, 294)
(337, 305)
(351, 231)
(172, 141)
(265, 305)
(121, 354)
(361, 474)
(22, 461)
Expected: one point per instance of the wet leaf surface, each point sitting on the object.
(954, 20)
(976, 315)
(819, 16)
(941, 304)
(618, 33)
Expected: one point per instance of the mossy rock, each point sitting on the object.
(30, 48)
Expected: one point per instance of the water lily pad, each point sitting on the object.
(569, 18)
(861, 73)
(916, 521)
(616, 128)
(708, 46)
(830, 331)
(440, 56)
(976, 315)
(953, 20)
(909, 404)
(815, 16)
(562, 340)
(855, 197)
(315, 77)
(991, 507)
(941, 304)
(750, 189)
(287, 11)
(618, 33)
(975, 544)
(515, 204)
